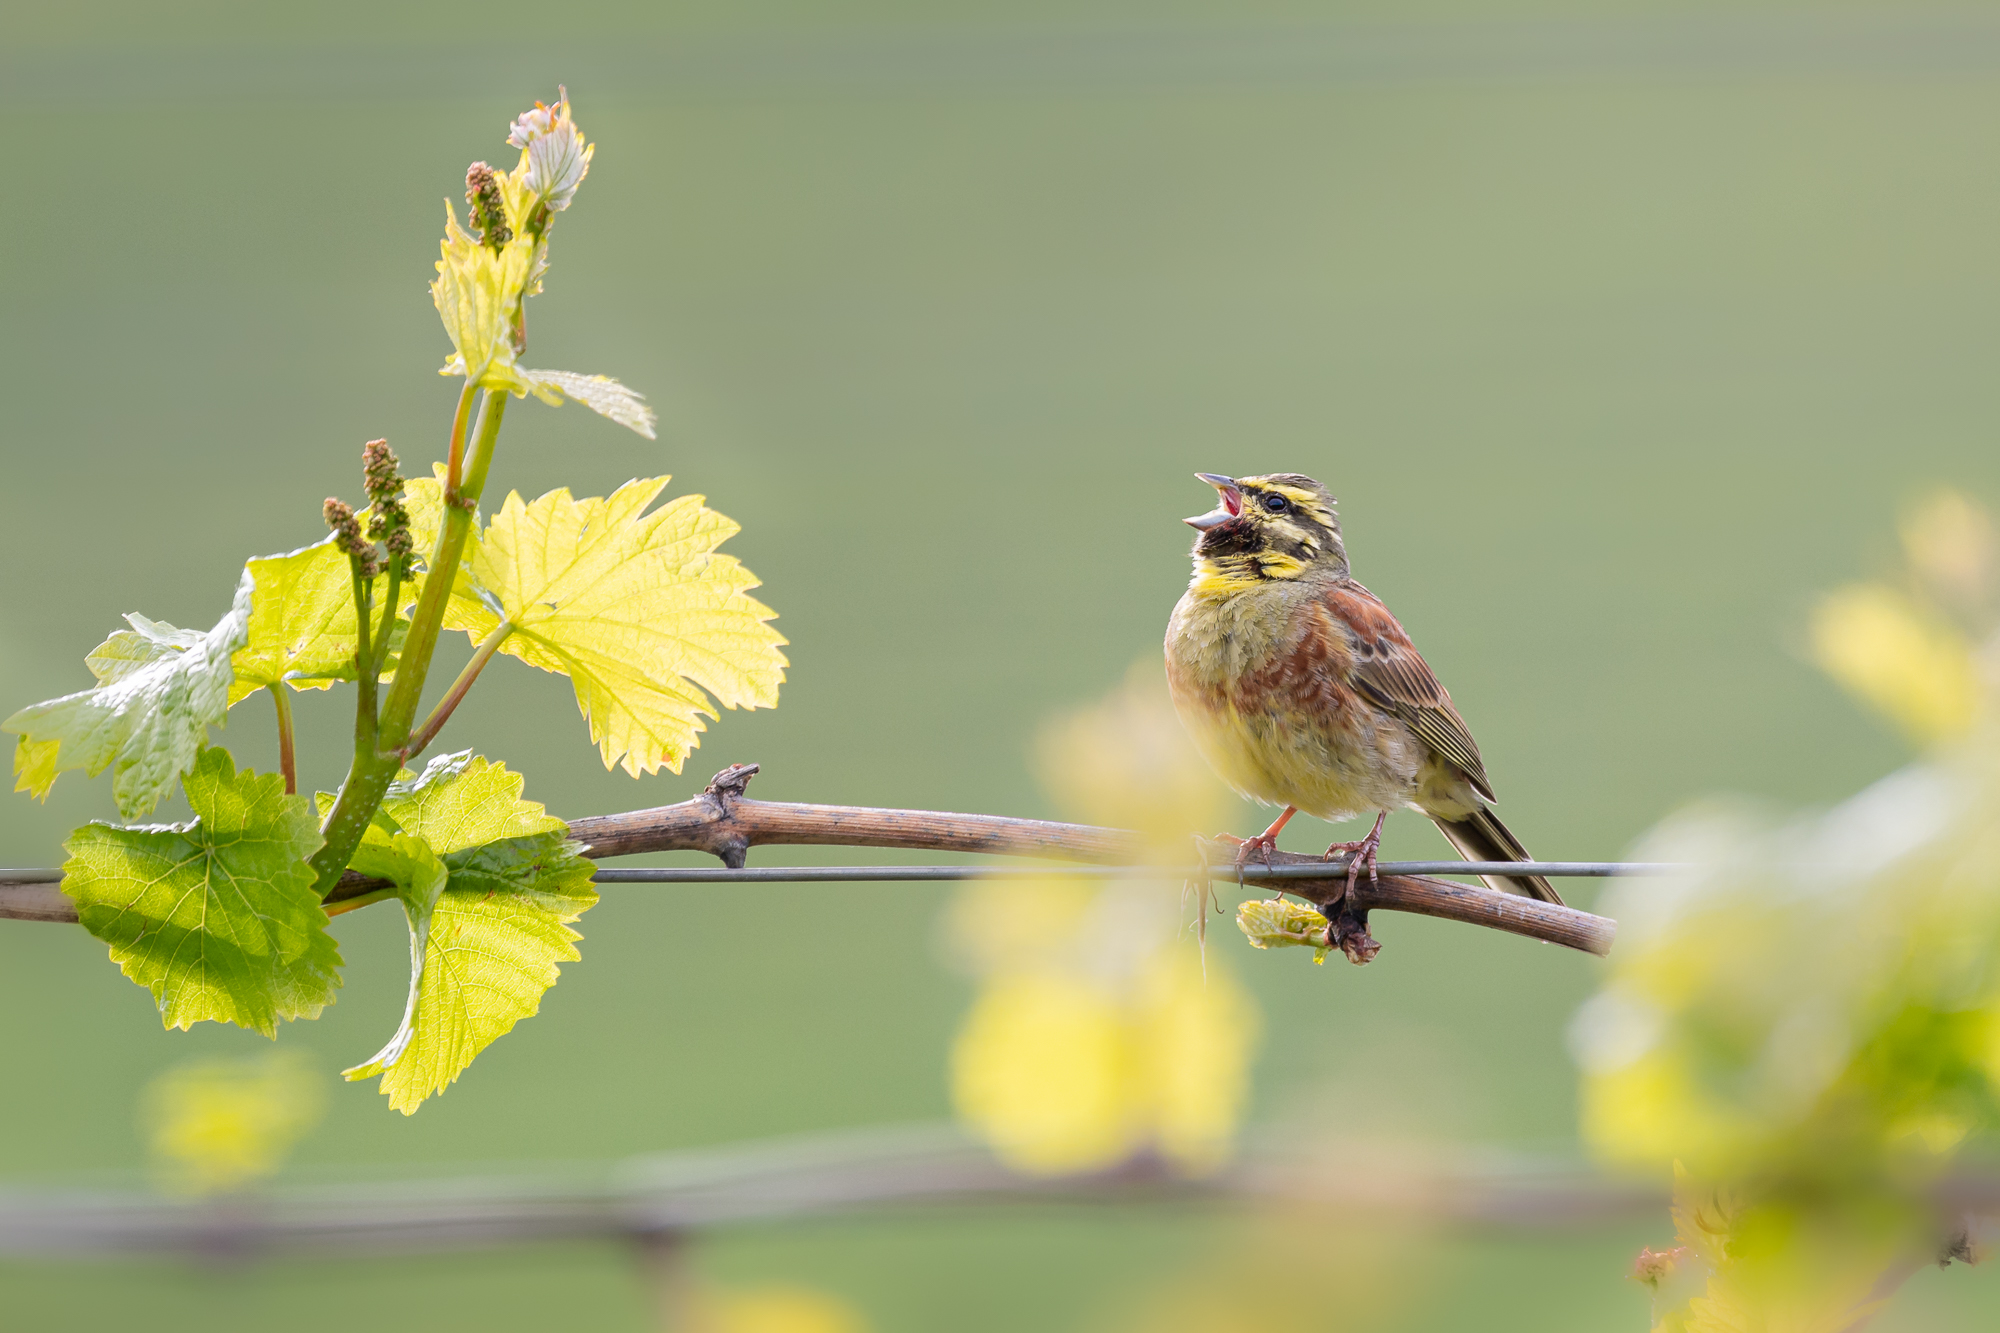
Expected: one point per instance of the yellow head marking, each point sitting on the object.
(1280, 526)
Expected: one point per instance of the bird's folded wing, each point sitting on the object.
(1390, 671)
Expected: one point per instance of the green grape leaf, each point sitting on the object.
(488, 882)
(461, 802)
(302, 628)
(216, 916)
(159, 690)
(636, 608)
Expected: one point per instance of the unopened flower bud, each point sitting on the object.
(347, 536)
(379, 471)
(482, 202)
(1653, 1267)
(387, 517)
(345, 527)
(1280, 923)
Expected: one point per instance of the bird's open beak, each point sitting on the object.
(1232, 502)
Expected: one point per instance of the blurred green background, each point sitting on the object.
(1619, 330)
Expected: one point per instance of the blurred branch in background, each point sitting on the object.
(795, 1179)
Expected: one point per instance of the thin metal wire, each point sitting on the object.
(892, 874)
(896, 874)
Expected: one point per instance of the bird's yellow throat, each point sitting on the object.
(1226, 575)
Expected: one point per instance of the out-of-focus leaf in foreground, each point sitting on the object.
(1127, 762)
(215, 916)
(1063, 1072)
(1904, 646)
(1097, 1032)
(1802, 1025)
(159, 690)
(1899, 657)
(636, 608)
(488, 882)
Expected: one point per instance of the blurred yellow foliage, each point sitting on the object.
(219, 1125)
(1046, 1068)
(779, 1310)
(1128, 763)
(1063, 1072)
(1096, 1034)
(1805, 1025)
(1951, 546)
(1009, 926)
(1797, 1265)
(1288, 1270)
(1894, 654)
(1909, 654)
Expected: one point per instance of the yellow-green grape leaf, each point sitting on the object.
(419, 878)
(488, 882)
(461, 802)
(477, 292)
(636, 608)
(159, 691)
(35, 766)
(302, 627)
(216, 916)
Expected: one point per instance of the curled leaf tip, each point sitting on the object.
(554, 156)
(600, 393)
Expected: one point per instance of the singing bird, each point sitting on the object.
(1302, 691)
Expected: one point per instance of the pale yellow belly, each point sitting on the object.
(1325, 751)
(1331, 772)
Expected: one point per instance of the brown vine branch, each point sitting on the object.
(1425, 895)
(724, 823)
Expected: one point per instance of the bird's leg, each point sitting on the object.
(1360, 854)
(1260, 846)
(1264, 843)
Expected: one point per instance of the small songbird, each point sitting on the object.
(1302, 691)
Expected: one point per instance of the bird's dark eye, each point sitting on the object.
(1276, 504)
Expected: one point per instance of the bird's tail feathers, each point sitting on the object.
(1480, 836)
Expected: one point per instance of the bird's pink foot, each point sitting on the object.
(1360, 854)
(1260, 846)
